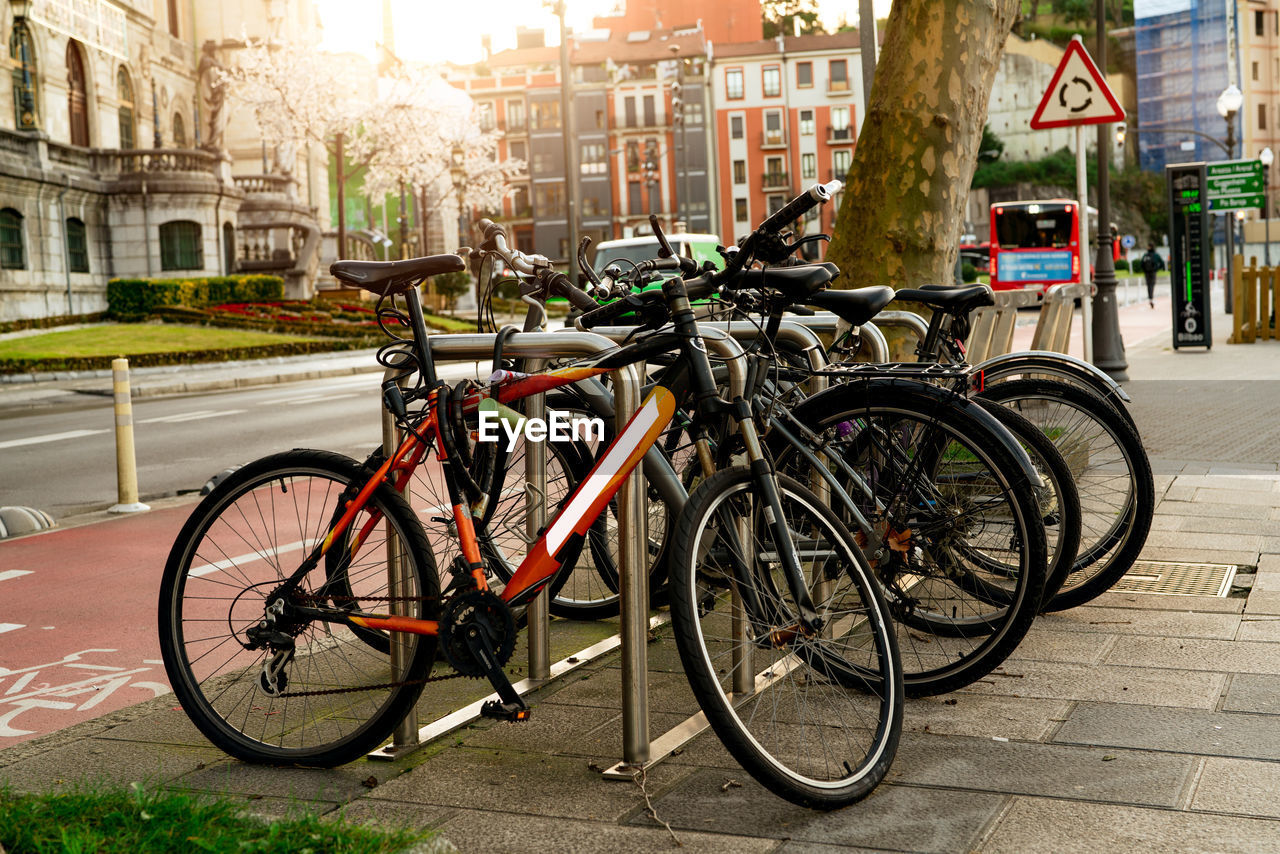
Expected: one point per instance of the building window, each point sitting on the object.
(124, 94)
(12, 254)
(772, 81)
(77, 98)
(543, 162)
(1260, 23)
(179, 131)
(180, 247)
(733, 83)
(629, 111)
(693, 112)
(173, 18)
(775, 203)
(548, 199)
(740, 210)
(591, 159)
(634, 204)
(841, 158)
(1255, 71)
(485, 114)
(515, 115)
(77, 246)
(806, 122)
(1262, 117)
(808, 166)
(804, 74)
(735, 127)
(773, 128)
(22, 55)
(840, 124)
(228, 249)
(650, 112)
(518, 150)
(545, 115)
(633, 156)
(838, 76)
(739, 171)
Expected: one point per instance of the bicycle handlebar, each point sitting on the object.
(799, 206)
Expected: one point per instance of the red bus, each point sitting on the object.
(1036, 244)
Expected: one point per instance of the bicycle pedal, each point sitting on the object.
(499, 710)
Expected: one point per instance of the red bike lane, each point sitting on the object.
(78, 621)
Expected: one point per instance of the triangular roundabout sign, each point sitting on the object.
(1077, 95)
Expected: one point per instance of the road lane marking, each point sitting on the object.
(8, 627)
(13, 573)
(191, 416)
(217, 566)
(50, 437)
(306, 398)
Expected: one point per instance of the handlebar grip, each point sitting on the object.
(489, 228)
(562, 285)
(605, 314)
(797, 207)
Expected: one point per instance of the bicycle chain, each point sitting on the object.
(333, 598)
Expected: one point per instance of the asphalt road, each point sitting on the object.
(61, 459)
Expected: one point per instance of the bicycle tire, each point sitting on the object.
(806, 689)
(237, 546)
(962, 531)
(1058, 499)
(1101, 447)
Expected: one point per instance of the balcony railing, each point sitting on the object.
(252, 184)
(133, 160)
(773, 139)
(837, 135)
(838, 87)
(775, 180)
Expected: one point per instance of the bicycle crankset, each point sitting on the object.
(476, 611)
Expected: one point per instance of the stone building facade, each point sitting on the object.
(116, 162)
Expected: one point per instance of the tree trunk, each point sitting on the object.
(905, 194)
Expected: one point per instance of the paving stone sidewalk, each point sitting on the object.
(1139, 722)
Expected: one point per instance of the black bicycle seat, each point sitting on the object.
(858, 306)
(394, 277)
(795, 283)
(951, 300)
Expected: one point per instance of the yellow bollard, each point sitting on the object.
(126, 465)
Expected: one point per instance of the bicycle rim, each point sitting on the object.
(337, 696)
(816, 720)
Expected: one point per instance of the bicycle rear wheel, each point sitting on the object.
(814, 719)
(1112, 474)
(317, 693)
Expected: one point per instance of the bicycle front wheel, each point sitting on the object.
(815, 719)
(315, 693)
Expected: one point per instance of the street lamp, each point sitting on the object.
(1229, 103)
(458, 174)
(1266, 157)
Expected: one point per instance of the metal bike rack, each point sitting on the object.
(537, 347)
(826, 323)
(638, 752)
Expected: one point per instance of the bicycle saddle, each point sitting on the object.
(394, 277)
(857, 307)
(795, 283)
(951, 300)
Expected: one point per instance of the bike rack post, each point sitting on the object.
(638, 752)
(631, 518)
(538, 612)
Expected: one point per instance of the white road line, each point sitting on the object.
(192, 416)
(8, 627)
(50, 437)
(306, 398)
(217, 566)
(13, 573)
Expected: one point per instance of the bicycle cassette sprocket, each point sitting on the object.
(485, 611)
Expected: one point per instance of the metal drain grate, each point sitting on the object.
(1177, 579)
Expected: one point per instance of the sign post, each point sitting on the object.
(1191, 254)
(1078, 95)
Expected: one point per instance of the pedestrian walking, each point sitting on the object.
(1152, 263)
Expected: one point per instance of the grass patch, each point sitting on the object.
(135, 820)
(450, 324)
(132, 339)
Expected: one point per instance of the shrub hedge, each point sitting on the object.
(138, 360)
(134, 299)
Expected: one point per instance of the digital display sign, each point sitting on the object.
(1041, 265)
(1191, 254)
